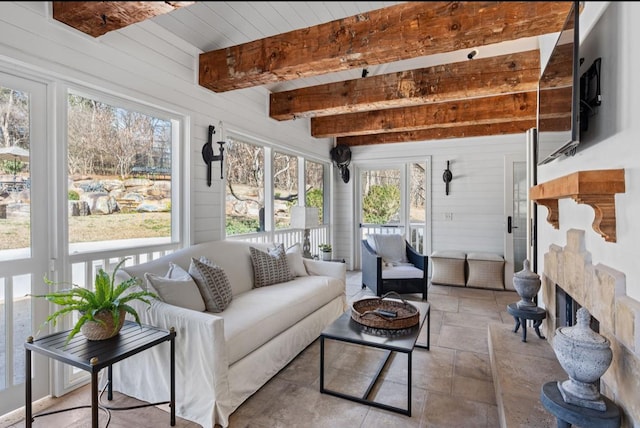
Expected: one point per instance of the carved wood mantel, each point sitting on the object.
(595, 188)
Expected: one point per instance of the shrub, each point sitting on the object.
(381, 203)
(72, 195)
(237, 226)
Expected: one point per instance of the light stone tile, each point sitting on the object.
(464, 339)
(304, 406)
(435, 317)
(472, 320)
(439, 289)
(433, 369)
(481, 306)
(474, 389)
(472, 365)
(473, 293)
(445, 303)
(527, 411)
(447, 411)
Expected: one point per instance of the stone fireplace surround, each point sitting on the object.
(602, 290)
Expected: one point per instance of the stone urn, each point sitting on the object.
(527, 285)
(585, 356)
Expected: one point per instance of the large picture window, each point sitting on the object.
(245, 193)
(120, 172)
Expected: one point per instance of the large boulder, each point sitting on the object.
(100, 202)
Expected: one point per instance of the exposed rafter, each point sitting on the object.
(518, 72)
(96, 18)
(462, 131)
(407, 30)
(476, 111)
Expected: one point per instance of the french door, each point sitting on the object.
(394, 200)
(24, 226)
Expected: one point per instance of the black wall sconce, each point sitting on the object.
(208, 156)
(447, 176)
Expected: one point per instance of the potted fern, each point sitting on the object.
(103, 310)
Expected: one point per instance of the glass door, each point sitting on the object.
(380, 201)
(515, 209)
(24, 246)
(394, 200)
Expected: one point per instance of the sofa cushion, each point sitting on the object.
(485, 256)
(405, 271)
(259, 315)
(270, 267)
(450, 254)
(294, 259)
(391, 247)
(213, 284)
(177, 288)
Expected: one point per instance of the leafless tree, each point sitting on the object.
(14, 118)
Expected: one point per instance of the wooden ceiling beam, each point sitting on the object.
(485, 130)
(395, 33)
(518, 72)
(96, 18)
(476, 111)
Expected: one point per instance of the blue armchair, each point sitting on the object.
(382, 276)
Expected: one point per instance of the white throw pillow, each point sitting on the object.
(294, 259)
(177, 288)
(391, 247)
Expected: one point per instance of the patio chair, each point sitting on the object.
(390, 263)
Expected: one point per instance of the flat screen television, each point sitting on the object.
(558, 127)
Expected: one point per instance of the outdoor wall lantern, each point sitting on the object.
(447, 176)
(209, 157)
(341, 157)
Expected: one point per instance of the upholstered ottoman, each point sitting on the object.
(448, 267)
(486, 270)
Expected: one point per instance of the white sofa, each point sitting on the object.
(223, 358)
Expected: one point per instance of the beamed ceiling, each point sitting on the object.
(493, 93)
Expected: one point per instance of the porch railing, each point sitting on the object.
(415, 234)
(288, 237)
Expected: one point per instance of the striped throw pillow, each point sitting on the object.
(270, 268)
(213, 284)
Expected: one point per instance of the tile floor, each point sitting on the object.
(452, 382)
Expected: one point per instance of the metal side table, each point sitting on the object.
(93, 356)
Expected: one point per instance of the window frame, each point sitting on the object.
(179, 143)
(269, 149)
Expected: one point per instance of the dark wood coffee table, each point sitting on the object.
(345, 329)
